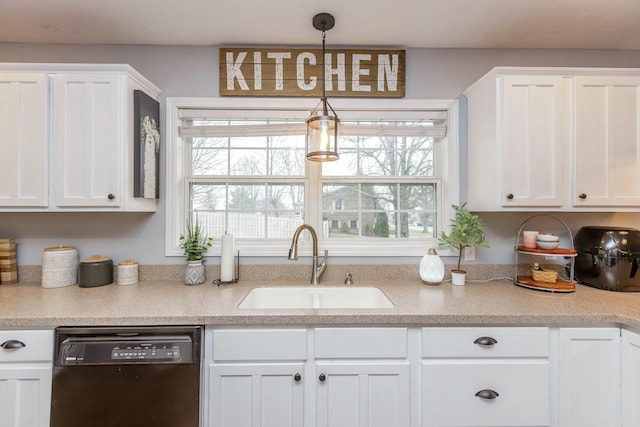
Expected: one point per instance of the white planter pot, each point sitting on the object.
(458, 277)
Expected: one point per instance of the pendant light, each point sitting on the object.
(323, 124)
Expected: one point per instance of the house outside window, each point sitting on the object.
(238, 166)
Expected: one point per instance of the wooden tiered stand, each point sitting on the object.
(531, 254)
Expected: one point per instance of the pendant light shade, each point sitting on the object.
(323, 124)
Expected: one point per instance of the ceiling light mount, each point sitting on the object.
(323, 123)
(323, 21)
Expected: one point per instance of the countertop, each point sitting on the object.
(28, 305)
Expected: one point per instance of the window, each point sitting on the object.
(238, 165)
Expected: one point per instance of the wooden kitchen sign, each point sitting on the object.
(370, 73)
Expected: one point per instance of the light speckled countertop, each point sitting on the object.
(28, 305)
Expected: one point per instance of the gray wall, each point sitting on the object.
(193, 71)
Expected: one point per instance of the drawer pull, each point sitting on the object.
(509, 196)
(297, 377)
(12, 344)
(486, 341)
(322, 378)
(487, 394)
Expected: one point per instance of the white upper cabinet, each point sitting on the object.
(70, 145)
(23, 140)
(554, 139)
(85, 136)
(531, 140)
(607, 141)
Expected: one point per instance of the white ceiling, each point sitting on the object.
(580, 24)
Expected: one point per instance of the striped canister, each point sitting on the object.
(59, 266)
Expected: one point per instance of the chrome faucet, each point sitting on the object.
(316, 270)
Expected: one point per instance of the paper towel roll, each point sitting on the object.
(227, 258)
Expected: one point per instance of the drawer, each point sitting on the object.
(38, 346)
(360, 343)
(260, 344)
(449, 394)
(485, 342)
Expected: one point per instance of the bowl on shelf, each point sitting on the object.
(546, 245)
(546, 237)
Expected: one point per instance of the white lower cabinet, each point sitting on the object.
(485, 377)
(257, 394)
(256, 377)
(589, 377)
(630, 379)
(363, 395)
(363, 377)
(420, 377)
(25, 378)
(324, 377)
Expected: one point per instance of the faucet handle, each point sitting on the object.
(348, 280)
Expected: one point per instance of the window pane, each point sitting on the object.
(251, 148)
(384, 155)
(379, 210)
(248, 162)
(256, 210)
(208, 160)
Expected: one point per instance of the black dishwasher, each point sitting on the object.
(126, 376)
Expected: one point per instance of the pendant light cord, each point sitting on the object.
(325, 112)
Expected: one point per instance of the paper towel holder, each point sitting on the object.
(237, 275)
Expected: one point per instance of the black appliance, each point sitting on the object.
(126, 376)
(608, 258)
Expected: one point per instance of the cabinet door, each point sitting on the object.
(630, 379)
(86, 140)
(363, 395)
(25, 396)
(589, 377)
(607, 141)
(23, 140)
(532, 137)
(256, 395)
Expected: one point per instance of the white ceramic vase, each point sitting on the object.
(431, 267)
(194, 273)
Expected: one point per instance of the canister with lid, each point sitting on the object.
(59, 266)
(95, 271)
(127, 272)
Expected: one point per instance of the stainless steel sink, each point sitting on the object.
(318, 297)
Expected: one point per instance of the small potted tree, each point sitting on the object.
(467, 231)
(195, 243)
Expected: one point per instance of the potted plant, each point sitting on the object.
(467, 231)
(195, 243)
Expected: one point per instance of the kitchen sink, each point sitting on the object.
(318, 297)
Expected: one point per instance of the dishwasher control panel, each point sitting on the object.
(145, 351)
(128, 350)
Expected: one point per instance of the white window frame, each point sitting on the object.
(177, 201)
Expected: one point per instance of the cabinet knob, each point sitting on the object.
(322, 378)
(297, 377)
(582, 196)
(487, 394)
(111, 196)
(486, 341)
(509, 196)
(12, 344)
